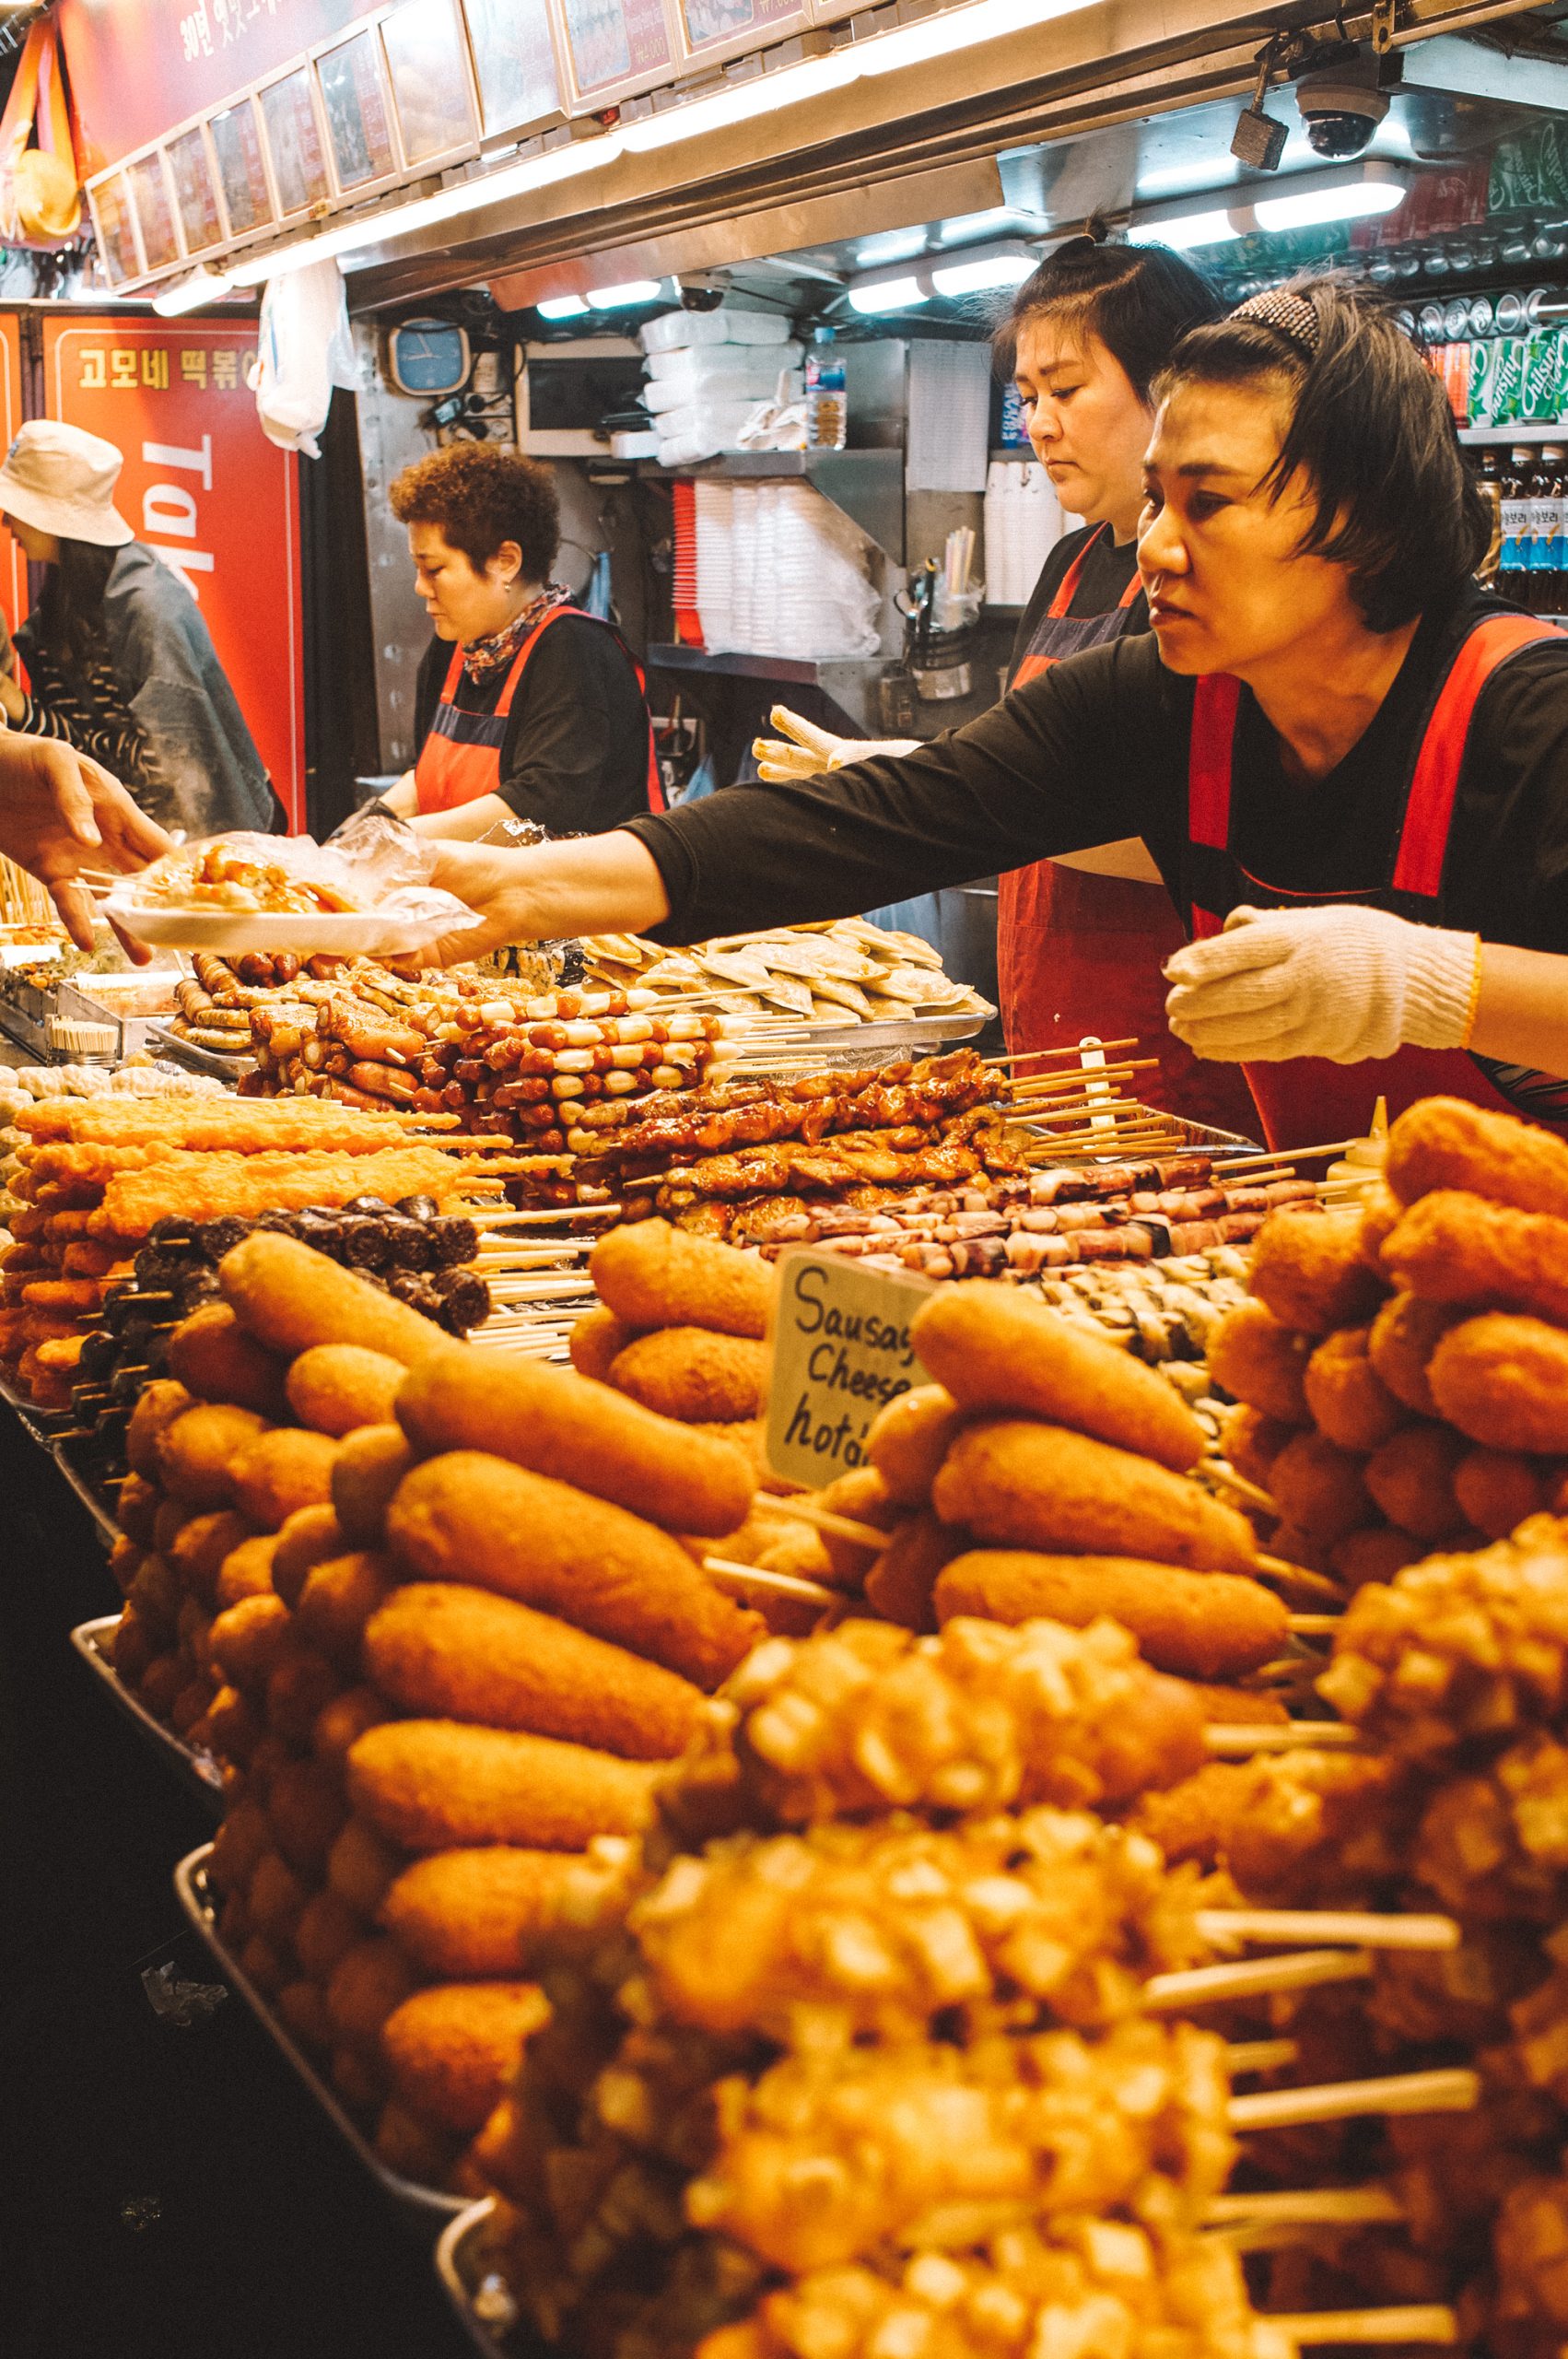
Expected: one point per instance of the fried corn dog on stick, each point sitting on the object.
(1456, 1248)
(1447, 1142)
(993, 1349)
(1021, 1486)
(652, 1276)
(199, 1187)
(466, 1654)
(469, 1915)
(434, 1785)
(291, 1299)
(467, 1518)
(1199, 1625)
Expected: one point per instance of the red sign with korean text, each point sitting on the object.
(138, 68)
(204, 488)
(13, 562)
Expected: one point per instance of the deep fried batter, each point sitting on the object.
(368, 1469)
(1505, 1381)
(334, 1388)
(471, 1914)
(908, 1439)
(1455, 1248)
(462, 1653)
(158, 1405)
(274, 1476)
(1411, 1479)
(1023, 1485)
(1199, 1625)
(435, 1784)
(367, 1983)
(216, 1360)
(1261, 1363)
(652, 1276)
(694, 1376)
(1448, 1143)
(453, 2052)
(1319, 1487)
(310, 1537)
(900, 1582)
(339, 1596)
(197, 1448)
(1349, 1401)
(1252, 1441)
(1401, 1343)
(597, 1340)
(1498, 1489)
(1307, 1267)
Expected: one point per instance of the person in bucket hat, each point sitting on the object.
(120, 662)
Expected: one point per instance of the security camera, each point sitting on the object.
(1342, 106)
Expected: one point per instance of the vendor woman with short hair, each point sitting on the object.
(526, 707)
(1349, 764)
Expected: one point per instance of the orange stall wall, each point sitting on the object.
(204, 488)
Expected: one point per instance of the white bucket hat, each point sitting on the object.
(62, 481)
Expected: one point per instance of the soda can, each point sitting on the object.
(1456, 317)
(1559, 396)
(1483, 383)
(1480, 315)
(1509, 386)
(1538, 393)
(1456, 379)
(1509, 315)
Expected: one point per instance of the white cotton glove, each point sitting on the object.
(810, 750)
(1348, 984)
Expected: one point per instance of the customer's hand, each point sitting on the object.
(63, 819)
(805, 751)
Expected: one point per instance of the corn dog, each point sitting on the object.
(995, 1350)
(1319, 1487)
(1504, 1381)
(1455, 1248)
(360, 1866)
(1023, 1485)
(467, 1518)
(558, 1423)
(337, 1599)
(1401, 1343)
(1412, 1478)
(367, 1982)
(465, 1654)
(214, 1359)
(1261, 1363)
(474, 1914)
(692, 1376)
(1307, 1267)
(369, 1465)
(278, 1473)
(1498, 1489)
(653, 1276)
(246, 1572)
(335, 1387)
(199, 1551)
(453, 2052)
(290, 1298)
(1375, 1553)
(1447, 1142)
(195, 1450)
(1381, 1213)
(908, 1439)
(310, 1537)
(900, 1582)
(596, 1342)
(1200, 1625)
(435, 1785)
(1347, 1399)
(341, 1723)
(1252, 1441)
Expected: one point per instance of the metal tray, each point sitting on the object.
(198, 1770)
(461, 2264)
(101, 1514)
(861, 1044)
(168, 1045)
(422, 2204)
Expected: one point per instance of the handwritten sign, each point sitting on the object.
(841, 1352)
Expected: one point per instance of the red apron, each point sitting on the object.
(461, 758)
(1079, 954)
(1304, 1101)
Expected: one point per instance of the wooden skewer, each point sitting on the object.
(1361, 1929)
(518, 1290)
(557, 1212)
(1333, 2204)
(1417, 2322)
(1221, 1471)
(742, 1577)
(1448, 2090)
(1260, 2055)
(1252, 1978)
(1280, 1154)
(1030, 1056)
(1073, 1083)
(1314, 1626)
(1276, 1569)
(801, 1508)
(1234, 1741)
(1290, 1670)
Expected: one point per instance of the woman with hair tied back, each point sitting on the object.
(1348, 763)
(120, 662)
(1080, 942)
(537, 711)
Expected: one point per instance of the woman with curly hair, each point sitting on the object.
(537, 711)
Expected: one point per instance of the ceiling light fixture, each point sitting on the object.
(984, 271)
(625, 297)
(1306, 201)
(877, 295)
(190, 294)
(562, 307)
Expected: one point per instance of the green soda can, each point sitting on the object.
(1537, 391)
(1484, 381)
(1509, 387)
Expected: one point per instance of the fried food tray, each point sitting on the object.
(167, 1044)
(421, 2205)
(197, 1770)
(475, 2289)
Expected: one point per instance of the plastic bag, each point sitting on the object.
(303, 349)
(374, 862)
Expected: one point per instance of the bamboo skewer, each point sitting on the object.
(1332, 2204)
(1234, 1741)
(1221, 1471)
(1417, 2322)
(1029, 1056)
(1260, 2055)
(1314, 1626)
(801, 1508)
(739, 1579)
(1276, 1569)
(1361, 1929)
(1292, 1155)
(1451, 2089)
(1252, 1978)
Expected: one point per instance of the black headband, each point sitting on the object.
(1291, 316)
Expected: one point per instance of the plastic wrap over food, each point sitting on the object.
(366, 892)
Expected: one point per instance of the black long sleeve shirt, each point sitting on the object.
(1096, 748)
(575, 754)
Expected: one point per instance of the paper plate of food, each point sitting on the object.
(363, 894)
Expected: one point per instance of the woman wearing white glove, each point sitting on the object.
(1079, 940)
(1332, 736)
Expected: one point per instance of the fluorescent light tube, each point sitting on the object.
(190, 294)
(888, 295)
(979, 276)
(624, 298)
(1314, 207)
(1184, 230)
(561, 307)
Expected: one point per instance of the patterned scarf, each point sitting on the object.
(481, 657)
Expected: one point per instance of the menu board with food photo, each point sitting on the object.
(294, 143)
(357, 129)
(514, 62)
(160, 240)
(429, 78)
(194, 193)
(615, 43)
(116, 231)
(716, 26)
(241, 168)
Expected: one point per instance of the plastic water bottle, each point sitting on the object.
(828, 400)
